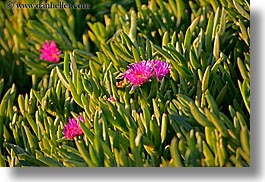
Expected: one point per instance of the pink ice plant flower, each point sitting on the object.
(72, 128)
(50, 52)
(111, 99)
(161, 69)
(138, 73)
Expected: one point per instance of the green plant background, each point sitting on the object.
(198, 115)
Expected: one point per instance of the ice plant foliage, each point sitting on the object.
(138, 73)
(50, 52)
(72, 128)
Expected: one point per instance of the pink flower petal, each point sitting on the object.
(72, 128)
(50, 52)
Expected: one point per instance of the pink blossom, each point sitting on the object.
(50, 52)
(138, 73)
(161, 69)
(111, 99)
(72, 128)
